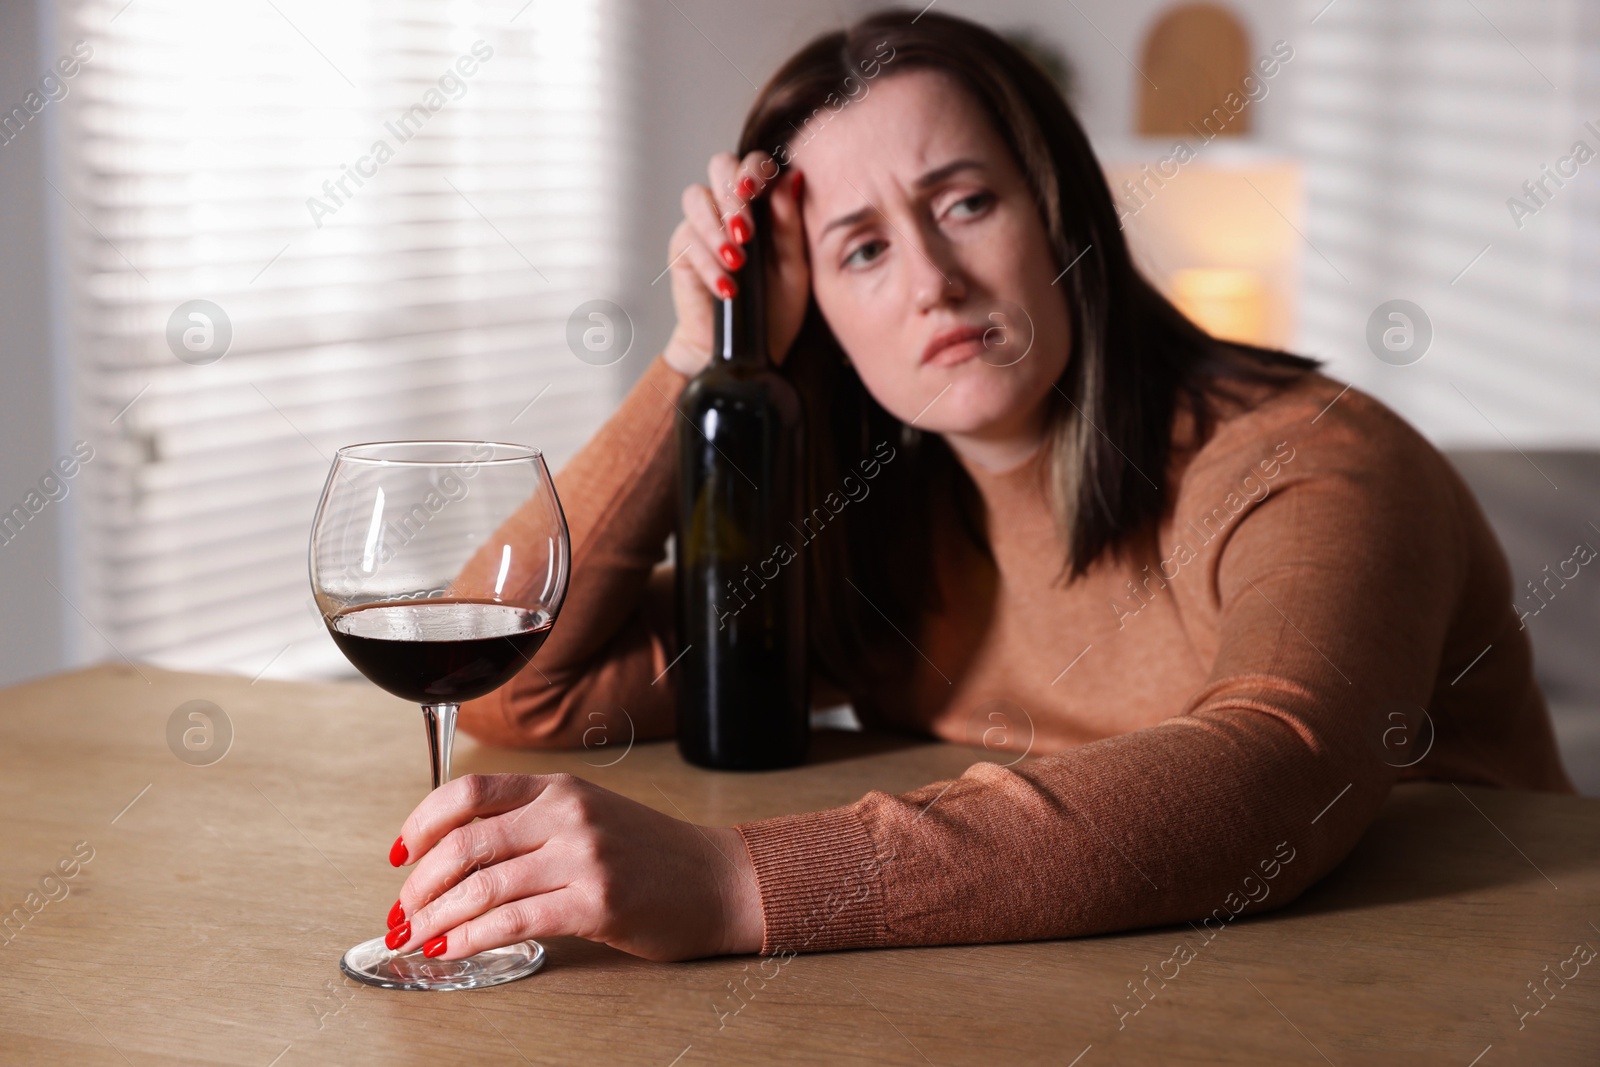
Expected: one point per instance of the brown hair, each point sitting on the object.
(1134, 356)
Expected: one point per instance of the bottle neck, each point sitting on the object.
(739, 331)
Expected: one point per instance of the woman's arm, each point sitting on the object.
(1333, 597)
(611, 639)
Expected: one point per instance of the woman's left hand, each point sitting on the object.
(553, 854)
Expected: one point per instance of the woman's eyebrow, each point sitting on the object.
(939, 174)
(931, 178)
(847, 220)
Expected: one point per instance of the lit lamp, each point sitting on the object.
(1213, 216)
(1219, 234)
(1226, 302)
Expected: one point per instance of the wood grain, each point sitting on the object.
(208, 924)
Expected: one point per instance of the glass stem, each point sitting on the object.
(440, 720)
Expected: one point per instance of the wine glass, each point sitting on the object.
(439, 568)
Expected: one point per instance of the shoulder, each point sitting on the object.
(1315, 424)
(1355, 468)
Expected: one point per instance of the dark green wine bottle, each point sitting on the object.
(743, 694)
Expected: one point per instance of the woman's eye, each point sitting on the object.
(864, 253)
(971, 205)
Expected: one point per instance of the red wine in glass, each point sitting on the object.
(439, 651)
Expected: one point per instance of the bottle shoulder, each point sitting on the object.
(722, 384)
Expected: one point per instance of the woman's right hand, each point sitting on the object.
(708, 246)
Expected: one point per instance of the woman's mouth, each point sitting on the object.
(953, 346)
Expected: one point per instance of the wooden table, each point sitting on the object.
(207, 926)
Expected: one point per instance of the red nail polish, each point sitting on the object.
(398, 936)
(397, 852)
(397, 915)
(726, 288)
(746, 187)
(799, 184)
(434, 948)
(732, 256)
(739, 229)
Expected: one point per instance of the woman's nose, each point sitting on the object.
(935, 272)
(936, 278)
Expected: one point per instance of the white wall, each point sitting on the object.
(32, 614)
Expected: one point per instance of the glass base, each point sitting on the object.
(371, 962)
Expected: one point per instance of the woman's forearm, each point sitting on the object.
(609, 642)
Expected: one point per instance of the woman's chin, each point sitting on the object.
(977, 404)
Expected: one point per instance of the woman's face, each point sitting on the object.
(921, 228)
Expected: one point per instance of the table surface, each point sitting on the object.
(206, 924)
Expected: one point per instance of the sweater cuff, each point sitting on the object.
(820, 879)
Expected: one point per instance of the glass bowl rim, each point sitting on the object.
(524, 453)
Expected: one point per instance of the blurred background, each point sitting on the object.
(235, 236)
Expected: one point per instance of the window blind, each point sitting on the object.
(390, 208)
(1418, 124)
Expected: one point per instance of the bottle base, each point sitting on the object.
(763, 761)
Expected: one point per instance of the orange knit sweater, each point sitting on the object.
(1210, 732)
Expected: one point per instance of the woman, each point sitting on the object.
(1208, 588)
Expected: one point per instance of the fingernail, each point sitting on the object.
(732, 256)
(434, 948)
(746, 187)
(799, 183)
(397, 915)
(739, 229)
(397, 852)
(399, 936)
(726, 288)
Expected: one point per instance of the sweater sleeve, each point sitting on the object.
(1328, 602)
(612, 638)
